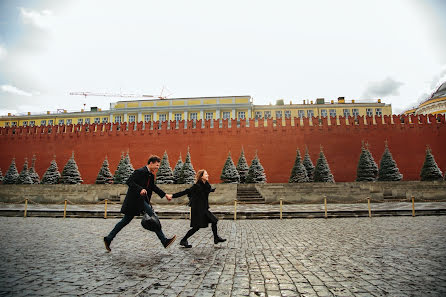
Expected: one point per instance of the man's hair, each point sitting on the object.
(153, 159)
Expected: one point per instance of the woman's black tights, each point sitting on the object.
(195, 229)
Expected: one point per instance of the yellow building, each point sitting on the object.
(198, 108)
(320, 108)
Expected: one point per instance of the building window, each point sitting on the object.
(7, 124)
(69, 121)
(131, 118)
(80, 121)
(288, 114)
(117, 119)
(14, 124)
(50, 122)
(61, 122)
(104, 120)
(147, 117)
(193, 116)
(209, 115)
(346, 112)
(301, 113)
(178, 117)
(278, 114)
(97, 120)
(267, 114)
(163, 117)
(226, 115)
(310, 113)
(378, 111)
(32, 123)
(333, 113)
(258, 115)
(87, 121)
(241, 115)
(369, 112)
(25, 123)
(323, 113)
(355, 112)
(43, 123)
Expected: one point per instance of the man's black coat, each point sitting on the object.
(141, 178)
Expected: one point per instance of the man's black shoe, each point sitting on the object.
(107, 244)
(219, 239)
(169, 241)
(185, 244)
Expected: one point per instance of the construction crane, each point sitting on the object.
(85, 94)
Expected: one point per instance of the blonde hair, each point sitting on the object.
(199, 175)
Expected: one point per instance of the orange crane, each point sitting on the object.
(85, 94)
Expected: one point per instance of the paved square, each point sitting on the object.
(385, 256)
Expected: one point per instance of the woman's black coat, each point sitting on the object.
(199, 203)
(141, 178)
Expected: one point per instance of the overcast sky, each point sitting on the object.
(292, 50)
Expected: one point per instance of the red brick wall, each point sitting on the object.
(209, 147)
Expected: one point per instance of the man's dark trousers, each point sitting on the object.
(128, 218)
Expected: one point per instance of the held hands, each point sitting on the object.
(143, 192)
(169, 197)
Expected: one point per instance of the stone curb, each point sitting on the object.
(227, 215)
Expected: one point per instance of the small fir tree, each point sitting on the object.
(128, 169)
(32, 171)
(24, 177)
(372, 161)
(104, 174)
(187, 174)
(242, 167)
(164, 174)
(322, 171)
(430, 170)
(12, 174)
(365, 170)
(229, 174)
(308, 165)
(298, 173)
(70, 173)
(177, 170)
(117, 178)
(388, 171)
(256, 173)
(52, 174)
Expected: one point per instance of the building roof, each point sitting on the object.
(440, 92)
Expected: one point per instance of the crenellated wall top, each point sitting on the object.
(190, 126)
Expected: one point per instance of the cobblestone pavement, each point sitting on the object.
(386, 256)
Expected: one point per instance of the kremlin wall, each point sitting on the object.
(209, 142)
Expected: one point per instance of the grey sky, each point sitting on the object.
(291, 50)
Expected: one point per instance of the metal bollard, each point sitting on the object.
(370, 210)
(325, 204)
(413, 206)
(26, 206)
(105, 210)
(281, 208)
(65, 209)
(235, 210)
